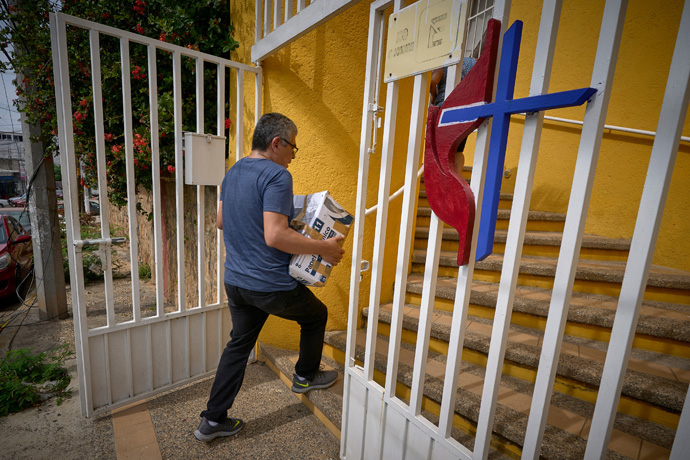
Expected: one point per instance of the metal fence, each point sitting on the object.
(379, 424)
(134, 354)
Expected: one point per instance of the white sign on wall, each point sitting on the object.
(424, 36)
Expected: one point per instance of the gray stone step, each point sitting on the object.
(510, 424)
(537, 220)
(657, 319)
(329, 402)
(540, 238)
(503, 196)
(326, 404)
(670, 285)
(538, 243)
(653, 390)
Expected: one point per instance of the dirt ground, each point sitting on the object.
(276, 427)
(44, 431)
(49, 430)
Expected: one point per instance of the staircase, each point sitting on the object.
(658, 373)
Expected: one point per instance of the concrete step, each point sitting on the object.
(592, 276)
(537, 243)
(661, 328)
(466, 174)
(505, 200)
(651, 391)
(326, 404)
(538, 221)
(568, 420)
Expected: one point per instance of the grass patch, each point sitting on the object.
(144, 271)
(28, 379)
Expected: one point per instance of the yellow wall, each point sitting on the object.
(318, 81)
(315, 82)
(638, 88)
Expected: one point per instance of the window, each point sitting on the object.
(3, 234)
(480, 11)
(15, 228)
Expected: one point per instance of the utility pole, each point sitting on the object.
(49, 273)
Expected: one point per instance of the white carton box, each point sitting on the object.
(318, 216)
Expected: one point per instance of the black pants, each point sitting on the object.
(249, 311)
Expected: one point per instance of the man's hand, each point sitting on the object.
(332, 252)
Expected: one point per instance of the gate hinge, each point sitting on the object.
(375, 108)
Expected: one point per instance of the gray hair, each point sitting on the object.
(270, 126)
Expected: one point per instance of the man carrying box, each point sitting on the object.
(255, 208)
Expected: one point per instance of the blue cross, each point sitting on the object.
(501, 109)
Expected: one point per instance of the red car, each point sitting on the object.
(21, 214)
(16, 257)
(18, 201)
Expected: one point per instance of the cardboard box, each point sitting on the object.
(317, 216)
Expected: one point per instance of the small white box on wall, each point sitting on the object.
(204, 159)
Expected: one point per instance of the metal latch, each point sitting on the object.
(364, 268)
(99, 241)
(103, 251)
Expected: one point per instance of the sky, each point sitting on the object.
(9, 117)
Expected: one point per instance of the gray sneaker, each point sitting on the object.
(206, 432)
(322, 379)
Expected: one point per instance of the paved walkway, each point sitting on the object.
(278, 425)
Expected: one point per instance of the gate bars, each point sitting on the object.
(126, 361)
(376, 423)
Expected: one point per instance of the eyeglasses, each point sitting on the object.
(294, 147)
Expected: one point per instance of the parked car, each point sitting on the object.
(4, 203)
(16, 256)
(21, 214)
(18, 201)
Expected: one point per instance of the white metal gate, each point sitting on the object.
(127, 360)
(376, 423)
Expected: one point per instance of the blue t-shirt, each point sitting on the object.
(252, 186)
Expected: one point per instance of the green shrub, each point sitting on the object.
(25, 376)
(144, 271)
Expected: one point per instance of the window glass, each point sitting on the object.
(24, 219)
(15, 228)
(3, 234)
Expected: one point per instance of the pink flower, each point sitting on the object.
(138, 29)
(228, 123)
(163, 37)
(108, 137)
(78, 116)
(171, 169)
(116, 148)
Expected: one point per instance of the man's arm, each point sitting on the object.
(279, 235)
(219, 216)
(435, 79)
